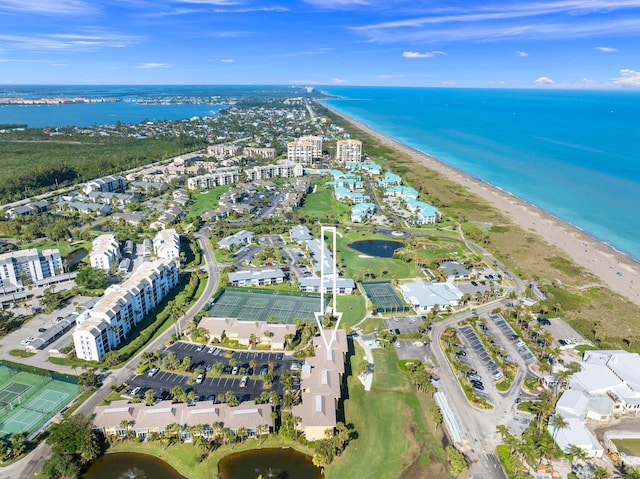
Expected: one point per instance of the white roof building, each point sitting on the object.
(607, 383)
(105, 252)
(424, 295)
(256, 277)
(30, 265)
(166, 244)
(121, 308)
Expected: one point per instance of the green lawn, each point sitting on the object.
(392, 409)
(354, 266)
(353, 307)
(322, 205)
(207, 201)
(64, 246)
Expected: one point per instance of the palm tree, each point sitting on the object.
(502, 430)
(576, 452)
(261, 430)
(632, 473)
(601, 472)
(558, 422)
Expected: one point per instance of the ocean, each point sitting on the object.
(574, 154)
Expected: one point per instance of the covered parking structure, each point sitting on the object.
(54, 333)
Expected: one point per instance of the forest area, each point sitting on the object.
(33, 162)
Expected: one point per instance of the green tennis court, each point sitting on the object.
(257, 305)
(383, 294)
(28, 401)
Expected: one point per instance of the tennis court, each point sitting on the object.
(28, 401)
(383, 294)
(261, 305)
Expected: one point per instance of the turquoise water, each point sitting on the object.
(574, 154)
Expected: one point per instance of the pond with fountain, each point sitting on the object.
(377, 248)
(267, 463)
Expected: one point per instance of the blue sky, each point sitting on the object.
(476, 43)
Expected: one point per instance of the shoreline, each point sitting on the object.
(615, 269)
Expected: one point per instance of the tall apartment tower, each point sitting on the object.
(349, 151)
(305, 149)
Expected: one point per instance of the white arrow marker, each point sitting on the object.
(320, 314)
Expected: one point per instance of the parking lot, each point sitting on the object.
(561, 330)
(404, 324)
(211, 385)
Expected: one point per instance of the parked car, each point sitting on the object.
(200, 378)
(152, 372)
(243, 381)
(235, 370)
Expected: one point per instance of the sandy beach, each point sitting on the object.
(617, 271)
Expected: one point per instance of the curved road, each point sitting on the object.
(31, 465)
(478, 426)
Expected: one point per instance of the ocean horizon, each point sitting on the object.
(571, 153)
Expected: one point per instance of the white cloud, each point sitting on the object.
(521, 54)
(74, 42)
(338, 81)
(48, 7)
(543, 81)
(490, 22)
(606, 49)
(154, 65)
(228, 60)
(422, 55)
(627, 78)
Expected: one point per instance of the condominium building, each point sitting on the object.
(106, 325)
(18, 267)
(321, 384)
(223, 151)
(349, 150)
(305, 149)
(283, 169)
(166, 244)
(253, 152)
(105, 252)
(222, 176)
(105, 184)
(144, 420)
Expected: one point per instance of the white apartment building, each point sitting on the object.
(349, 150)
(284, 169)
(103, 327)
(223, 151)
(305, 149)
(166, 244)
(17, 267)
(106, 184)
(105, 252)
(252, 152)
(220, 177)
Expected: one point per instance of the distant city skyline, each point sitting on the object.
(480, 43)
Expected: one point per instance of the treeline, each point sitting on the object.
(32, 162)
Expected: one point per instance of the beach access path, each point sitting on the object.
(617, 271)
